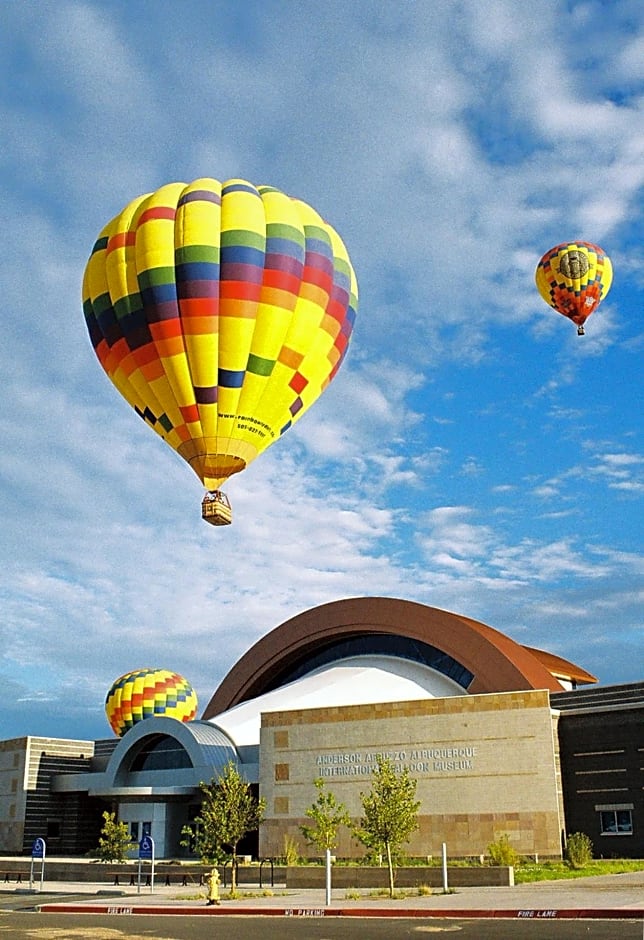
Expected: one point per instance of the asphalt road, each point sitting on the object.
(21, 925)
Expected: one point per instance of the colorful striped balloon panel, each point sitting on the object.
(220, 311)
(574, 278)
(144, 693)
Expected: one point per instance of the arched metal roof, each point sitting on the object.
(208, 749)
(495, 662)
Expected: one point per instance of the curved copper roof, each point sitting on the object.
(497, 663)
(561, 668)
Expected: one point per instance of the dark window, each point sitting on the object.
(53, 828)
(134, 831)
(616, 822)
(160, 752)
(377, 644)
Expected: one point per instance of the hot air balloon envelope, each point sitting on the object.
(220, 311)
(145, 693)
(574, 278)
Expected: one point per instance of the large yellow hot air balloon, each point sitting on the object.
(220, 311)
(573, 278)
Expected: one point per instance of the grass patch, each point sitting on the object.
(226, 895)
(352, 894)
(557, 871)
(400, 894)
(264, 893)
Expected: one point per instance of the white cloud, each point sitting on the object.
(450, 535)
(630, 61)
(468, 454)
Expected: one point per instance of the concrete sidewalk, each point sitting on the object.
(606, 896)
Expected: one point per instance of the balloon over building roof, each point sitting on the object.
(144, 693)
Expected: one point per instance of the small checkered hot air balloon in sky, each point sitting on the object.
(145, 693)
(574, 278)
(220, 311)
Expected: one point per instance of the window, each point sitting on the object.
(616, 822)
(147, 828)
(383, 644)
(53, 828)
(161, 752)
(134, 831)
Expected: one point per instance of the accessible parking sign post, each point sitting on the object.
(38, 850)
(146, 853)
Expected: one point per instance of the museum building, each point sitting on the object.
(500, 738)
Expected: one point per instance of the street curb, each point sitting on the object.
(510, 914)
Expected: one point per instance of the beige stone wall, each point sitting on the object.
(13, 759)
(19, 769)
(485, 766)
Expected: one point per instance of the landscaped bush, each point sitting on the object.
(579, 850)
(291, 852)
(502, 853)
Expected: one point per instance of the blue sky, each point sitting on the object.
(473, 453)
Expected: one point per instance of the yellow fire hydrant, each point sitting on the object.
(213, 887)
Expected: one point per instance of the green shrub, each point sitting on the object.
(501, 852)
(579, 850)
(115, 840)
(291, 853)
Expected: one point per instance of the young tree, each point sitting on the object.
(228, 812)
(390, 811)
(327, 816)
(114, 840)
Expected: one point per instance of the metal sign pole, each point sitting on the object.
(146, 851)
(444, 854)
(38, 850)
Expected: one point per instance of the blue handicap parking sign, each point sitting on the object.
(146, 847)
(38, 848)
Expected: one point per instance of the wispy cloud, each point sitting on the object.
(473, 452)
